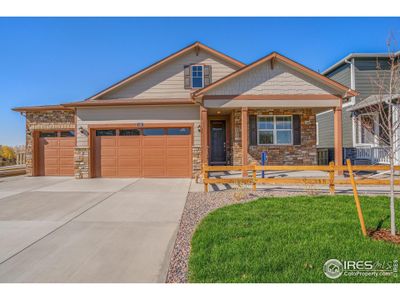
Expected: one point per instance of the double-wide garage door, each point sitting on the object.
(145, 152)
(56, 153)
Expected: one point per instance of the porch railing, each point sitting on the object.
(374, 154)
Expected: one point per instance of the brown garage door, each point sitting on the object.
(56, 153)
(148, 152)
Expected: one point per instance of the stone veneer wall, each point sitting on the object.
(81, 162)
(45, 120)
(304, 154)
(196, 160)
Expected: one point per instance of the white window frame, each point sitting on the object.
(317, 133)
(359, 129)
(202, 76)
(274, 130)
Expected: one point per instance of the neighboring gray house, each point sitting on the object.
(360, 72)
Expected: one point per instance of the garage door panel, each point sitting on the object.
(51, 171)
(56, 156)
(128, 172)
(50, 142)
(65, 152)
(108, 172)
(143, 156)
(153, 152)
(154, 172)
(153, 163)
(129, 141)
(66, 161)
(51, 161)
(129, 152)
(67, 142)
(107, 141)
(108, 152)
(178, 172)
(182, 152)
(178, 141)
(151, 141)
(129, 162)
(66, 171)
(51, 152)
(177, 162)
(108, 162)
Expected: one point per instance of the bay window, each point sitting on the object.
(274, 130)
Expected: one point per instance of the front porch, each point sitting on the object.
(238, 136)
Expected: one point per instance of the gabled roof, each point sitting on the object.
(276, 56)
(196, 45)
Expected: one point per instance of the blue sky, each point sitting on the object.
(56, 60)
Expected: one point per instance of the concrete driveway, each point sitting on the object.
(57, 229)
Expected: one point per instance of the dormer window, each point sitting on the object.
(197, 76)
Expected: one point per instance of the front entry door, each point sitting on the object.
(218, 140)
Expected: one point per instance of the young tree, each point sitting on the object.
(7, 153)
(380, 117)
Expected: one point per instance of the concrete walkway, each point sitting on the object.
(55, 229)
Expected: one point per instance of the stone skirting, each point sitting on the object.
(45, 120)
(196, 161)
(304, 154)
(81, 162)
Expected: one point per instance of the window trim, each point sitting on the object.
(275, 130)
(202, 76)
(376, 130)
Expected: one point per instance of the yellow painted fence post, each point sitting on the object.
(205, 177)
(332, 178)
(356, 199)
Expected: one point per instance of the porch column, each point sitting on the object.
(338, 139)
(204, 135)
(245, 136)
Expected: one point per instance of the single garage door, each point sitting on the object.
(146, 152)
(56, 153)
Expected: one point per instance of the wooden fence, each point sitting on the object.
(331, 180)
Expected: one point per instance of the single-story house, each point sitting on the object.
(196, 106)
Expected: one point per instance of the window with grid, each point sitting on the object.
(197, 77)
(274, 130)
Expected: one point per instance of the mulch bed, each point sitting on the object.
(384, 235)
(197, 206)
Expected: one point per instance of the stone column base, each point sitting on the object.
(81, 162)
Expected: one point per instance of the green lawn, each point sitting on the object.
(288, 240)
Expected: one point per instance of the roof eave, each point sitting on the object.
(355, 55)
(40, 108)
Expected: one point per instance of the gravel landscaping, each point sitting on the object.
(198, 205)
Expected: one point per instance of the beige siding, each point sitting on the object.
(226, 103)
(133, 115)
(264, 80)
(168, 80)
